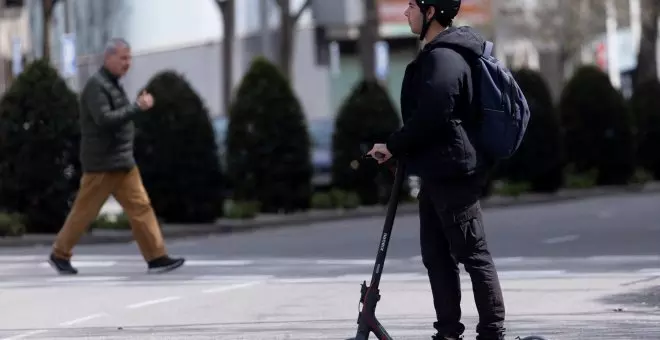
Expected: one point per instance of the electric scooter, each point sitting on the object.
(370, 294)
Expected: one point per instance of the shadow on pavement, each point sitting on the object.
(648, 297)
(401, 328)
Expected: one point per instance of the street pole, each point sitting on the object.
(265, 28)
(635, 23)
(72, 80)
(67, 16)
(369, 35)
(612, 45)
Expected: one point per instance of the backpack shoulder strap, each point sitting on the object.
(488, 49)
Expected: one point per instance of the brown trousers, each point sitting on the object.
(128, 189)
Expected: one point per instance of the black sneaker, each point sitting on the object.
(62, 266)
(165, 264)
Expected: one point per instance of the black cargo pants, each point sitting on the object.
(452, 232)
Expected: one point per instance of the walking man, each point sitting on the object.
(436, 103)
(109, 168)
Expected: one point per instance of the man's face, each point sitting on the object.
(414, 16)
(119, 62)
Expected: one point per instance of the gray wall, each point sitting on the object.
(320, 93)
(202, 66)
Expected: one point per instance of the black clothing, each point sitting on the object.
(436, 97)
(106, 125)
(452, 232)
(436, 104)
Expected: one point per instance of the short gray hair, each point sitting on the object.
(113, 44)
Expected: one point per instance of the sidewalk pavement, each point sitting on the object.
(566, 307)
(223, 226)
(570, 307)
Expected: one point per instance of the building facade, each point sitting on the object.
(15, 42)
(187, 36)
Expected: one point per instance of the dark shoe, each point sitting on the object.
(165, 264)
(63, 266)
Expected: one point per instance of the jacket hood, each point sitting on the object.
(465, 37)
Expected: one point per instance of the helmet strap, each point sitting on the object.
(425, 24)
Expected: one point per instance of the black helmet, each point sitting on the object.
(444, 9)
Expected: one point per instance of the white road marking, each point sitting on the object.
(417, 276)
(13, 266)
(319, 279)
(348, 262)
(561, 239)
(20, 258)
(503, 260)
(83, 319)
(153, 302)
(205, 263)
(398, 277)
(87, 278)
(650, 271)
(85, 264)
(231, 287)
(513, 259)
(391, 277)
(241, 278)
(88, 264)
(25, 335)
(526, 274)
(624, 258)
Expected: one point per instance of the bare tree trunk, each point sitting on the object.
(286, 38)
(47, 10)
(369, 35)
(288, 23)
(647, 65)
(227, 8)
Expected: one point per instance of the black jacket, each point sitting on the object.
(436, 106)
(106, 123)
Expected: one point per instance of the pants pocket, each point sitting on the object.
(465, 232)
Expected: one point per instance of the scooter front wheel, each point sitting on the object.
(533, 337)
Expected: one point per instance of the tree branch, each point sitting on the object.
(281, 3)
(221, 4)
(301, 10)
(296, 16)
(49, 6)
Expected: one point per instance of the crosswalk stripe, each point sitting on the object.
(87, 278)
(206, 280)
(208, 263)
(85, 264)
(113, 260)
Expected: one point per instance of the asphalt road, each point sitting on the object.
(576, 270)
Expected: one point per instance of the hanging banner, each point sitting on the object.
(16, 56)
(69, 62)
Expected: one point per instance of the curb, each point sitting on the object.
(322, 216)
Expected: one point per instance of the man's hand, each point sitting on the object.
(145, 100)
(380, 153)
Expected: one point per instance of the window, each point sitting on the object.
(13, 3)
